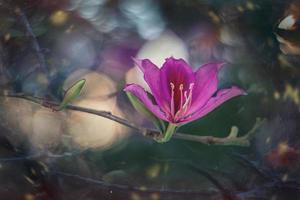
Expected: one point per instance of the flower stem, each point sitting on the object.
(168, 134)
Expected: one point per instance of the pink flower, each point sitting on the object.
(179, 94)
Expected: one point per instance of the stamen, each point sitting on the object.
(172, 99)
(188, 98)
(181, 95)
(185, 95)
(185, 101)
(190, 94)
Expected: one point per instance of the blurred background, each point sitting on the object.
(47, 45)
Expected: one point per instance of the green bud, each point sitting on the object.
(72, 93)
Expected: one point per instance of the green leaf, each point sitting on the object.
(72, 93)
(141, 108)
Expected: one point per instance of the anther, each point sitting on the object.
(190, 95)
(191, 86)
(185, 95)
(181, 87)
(172, 86)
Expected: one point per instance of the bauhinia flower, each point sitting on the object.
(179, 95)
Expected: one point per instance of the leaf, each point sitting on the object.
(72, 93)
(139, 106)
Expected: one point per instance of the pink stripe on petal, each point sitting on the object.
(141, 94)
(222, 96)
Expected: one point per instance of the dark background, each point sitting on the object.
(46, 45)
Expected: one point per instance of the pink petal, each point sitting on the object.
(221, 97)
(141, 94)
(206, 84)
(175, 71)
(152, 77)
(144, 64)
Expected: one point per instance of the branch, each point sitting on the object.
(43, 154)
(226, 193)
(116, 187)
(231, 139)
(20, 158)
(33, 40)
(251, 165)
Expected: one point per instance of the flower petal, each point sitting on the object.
(206, 84)
(152, 77)
(175, 71)
(144, 64)
(221, 97)
(141, 94)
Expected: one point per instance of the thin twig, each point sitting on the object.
(20, 158)
(118, 187)
(226, 193)
(43, 154)
(244, 161)
(232, 138)
(33, 40)
(260, 192)
(239, 141)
